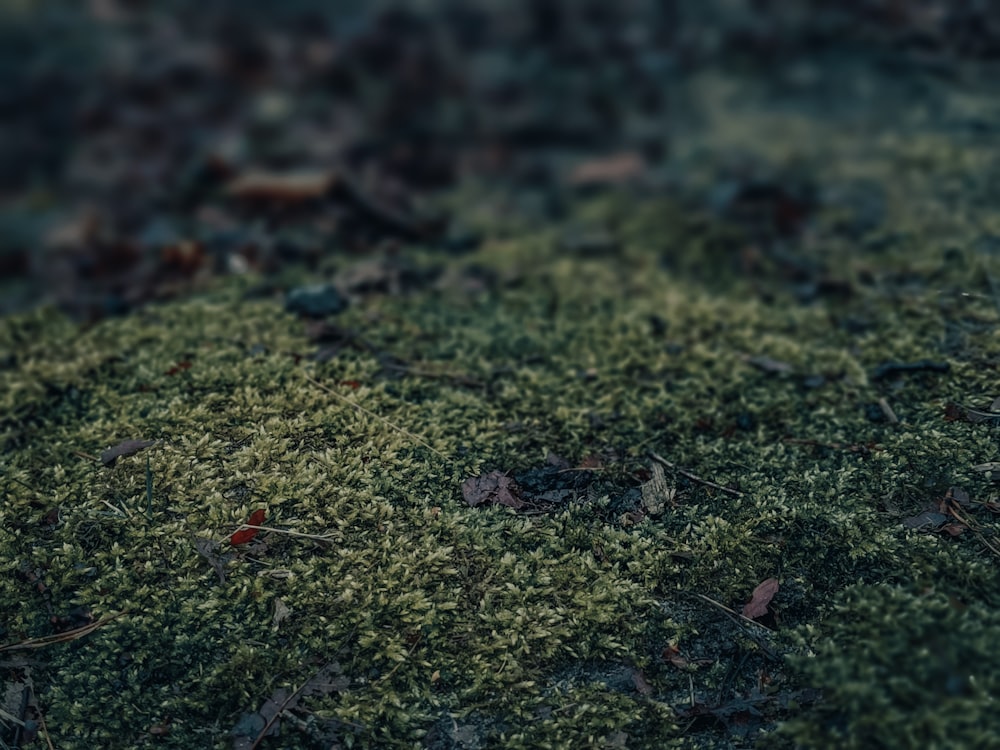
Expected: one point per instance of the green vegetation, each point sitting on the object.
(543, 629)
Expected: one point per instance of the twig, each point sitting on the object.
(458, 378)
(362, 409)
(69, 635)
(890, 415)
(739, 619)
(281, 709)
(294, 696)
(694, 477)
(41, 721)
(732, 612)
(315, 537)
(855, 448)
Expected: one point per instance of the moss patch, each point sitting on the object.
(484, 626)
(594, 621)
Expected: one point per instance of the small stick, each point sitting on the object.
(732, 612)
(69, 635)
(694, 477)
(281, 710)
(362, 409)
(316, 537)
(890, 415)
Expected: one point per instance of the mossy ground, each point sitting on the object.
(483, 627)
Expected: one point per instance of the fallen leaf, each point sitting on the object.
(959, 413)
(656, 494)
(281, 613)
(495, 487)
(126, 448)
(245, 535)
(281, 188)
(761, 597)
(672, 655)
(641, 683)
(615, 169)
(207, 548)
(954, 529)
(960, 496)
(329, 679)
(929, 519)
(179, 367)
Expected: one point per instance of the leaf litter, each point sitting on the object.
(253, 726)
(760, 599)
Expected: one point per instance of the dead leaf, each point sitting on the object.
(960, 496)
(929, 519)
(127, 448)
(656, 494)
(641, 684)
(281, 188)
(495, 487)
(281, 613)
(615, 169)
(761, 597)
(960, 413)
(672, 655)
(207, 548)
(954, 529)
(329, 679)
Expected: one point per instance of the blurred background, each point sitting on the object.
(149, 147)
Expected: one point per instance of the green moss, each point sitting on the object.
(520, 630)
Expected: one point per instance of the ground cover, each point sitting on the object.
(443, 378)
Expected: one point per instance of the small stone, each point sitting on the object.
(316, 301)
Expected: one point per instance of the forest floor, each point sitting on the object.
(596, 378)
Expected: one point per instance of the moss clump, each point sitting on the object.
(898, 668)
(482, 625)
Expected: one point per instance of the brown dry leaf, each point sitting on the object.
(281, 188)
(615, 169)
(960, 496)
(954, 528)
(641, 683)
(495, 487)
(761, 597)
(672, 655)
(126, 448)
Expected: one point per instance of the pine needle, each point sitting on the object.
(385, 421)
